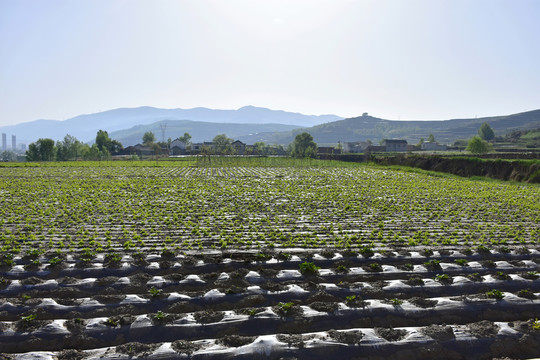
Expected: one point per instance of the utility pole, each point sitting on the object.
(163, 127)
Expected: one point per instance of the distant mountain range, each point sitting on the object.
(251, 124)
(85, 127)
(199, 130)
(367, 127)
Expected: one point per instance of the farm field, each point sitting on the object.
(221, 260)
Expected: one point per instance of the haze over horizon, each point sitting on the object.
(413, 60)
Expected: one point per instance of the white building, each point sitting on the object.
(355, 146)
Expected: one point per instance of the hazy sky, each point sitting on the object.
(402, 59)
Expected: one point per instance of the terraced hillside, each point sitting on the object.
(258, 262)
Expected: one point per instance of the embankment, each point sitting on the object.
(515, 170)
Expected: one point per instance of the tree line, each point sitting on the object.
(70, 148)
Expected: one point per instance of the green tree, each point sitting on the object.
(68, 149)
(8, 156)
(461, 143)
(116, 147)
(260, 148)
(93, 153)
(486, 132)
(223, 144)
(431, 138)
(103, 141)
(478, 146)
(32, 154)
(303, 146)
(106, 145)
(41, 150)
(148, 138)
(46, 149)
(186, 139)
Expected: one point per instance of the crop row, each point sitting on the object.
(107, 209)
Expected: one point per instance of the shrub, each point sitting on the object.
(478, 146)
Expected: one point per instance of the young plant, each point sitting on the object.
(502, 276)
(113, 258)
(495, 294)
(415, 280)
(375, 267)
(111, 322)
(433, 265)
(396, 301)
(285, 308)
(526, 294)
(443, 278)
(427, 252)
(531, 275)
(461, 262)
(350, 299)
(309, 268)
(342, 269)
(155, 293)
(55, 261)
(28, 319)
(475, 277)
(366, 251)
(160, 316)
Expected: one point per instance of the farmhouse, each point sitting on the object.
(432, 146)
(355, 146)
(239, 147)
(326, 150)
(392, 145)
(177, 147)
(141, 150)
(198, 147)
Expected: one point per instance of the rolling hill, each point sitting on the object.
(367, 127)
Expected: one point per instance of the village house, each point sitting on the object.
(327, 150)
(239, 147)
(141, 150)
(392, 145)
(355, 147)
(432, 146)
(177, 147)
(198, 147)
